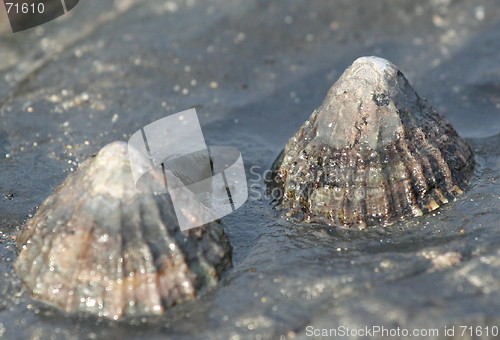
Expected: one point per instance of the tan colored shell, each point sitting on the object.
(98, 245)
(373, 153)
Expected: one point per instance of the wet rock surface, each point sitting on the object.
(255, 70)
(373, 153)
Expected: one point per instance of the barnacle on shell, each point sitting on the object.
(100, 245)
(373, 153)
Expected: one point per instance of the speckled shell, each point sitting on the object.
(373, 153)
(99, 245)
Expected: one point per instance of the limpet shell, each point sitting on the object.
(373, 153)
(99, 245)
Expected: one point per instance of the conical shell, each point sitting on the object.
(99, 245)
(373, 153)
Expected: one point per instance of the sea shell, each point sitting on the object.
(101, 246)
(373, 153)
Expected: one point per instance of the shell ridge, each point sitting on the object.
(362, 188)
(150, 268)
(113, 295)
(80, 258)
(441, 177)
(121, 279)
(392, 203)
(182, 240)
(132, 260)
(347, 191)
(438, 155)
(440, 170)
(46, 242)
(171, 256)
(410, 163)
(163, 241)
(404, 183)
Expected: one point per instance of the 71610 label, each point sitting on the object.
(25, 14)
